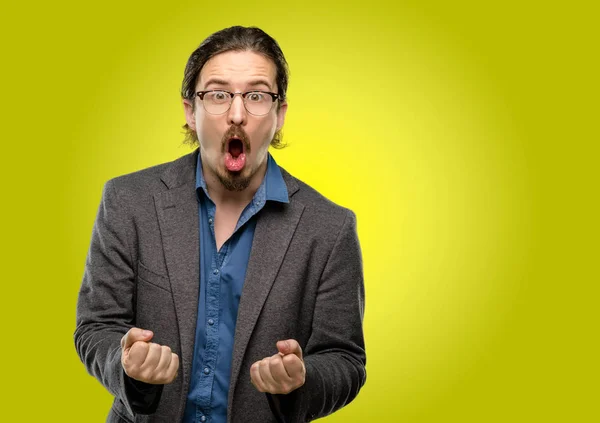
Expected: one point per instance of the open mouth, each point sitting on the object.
(235, 147)
(235, 157)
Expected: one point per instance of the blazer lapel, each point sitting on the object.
(177, 210)
(274, 230)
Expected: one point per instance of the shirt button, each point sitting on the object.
(209, 221)
(203, 418)
(206, 370)
(211, 322)
(216, 272)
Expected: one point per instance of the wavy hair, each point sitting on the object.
(235, 38)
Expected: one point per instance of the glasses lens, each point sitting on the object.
(216, 102)
(258, 103)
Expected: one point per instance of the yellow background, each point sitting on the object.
(463, 135)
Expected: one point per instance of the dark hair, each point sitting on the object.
(235, 38)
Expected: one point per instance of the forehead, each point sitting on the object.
(238, 68)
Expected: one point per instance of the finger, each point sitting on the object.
(255, 377)
(294, 367)
(133, 335)
(266, 376)
(152, 358)
(173, 367)
(164, 360)
(290, 346)
(279, 373)
(136, 355)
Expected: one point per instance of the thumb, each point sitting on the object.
(134, 335)
(290, 346)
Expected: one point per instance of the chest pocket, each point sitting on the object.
(148, 276)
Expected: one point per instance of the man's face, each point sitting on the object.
(224, 138)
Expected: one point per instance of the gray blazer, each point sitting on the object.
(304, 281)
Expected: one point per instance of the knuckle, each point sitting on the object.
(153, 376)
(139, 346)
(129, 367)
(159, 377)
(144, 376)
(291, 360)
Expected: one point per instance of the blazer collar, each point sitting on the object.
(180, 171)
(183, 170)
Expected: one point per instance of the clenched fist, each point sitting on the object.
(146, 361)
(281, 373)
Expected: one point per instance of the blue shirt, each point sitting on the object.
(222, 275)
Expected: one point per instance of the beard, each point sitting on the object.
(236, 181)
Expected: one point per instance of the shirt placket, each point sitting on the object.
(213, 288)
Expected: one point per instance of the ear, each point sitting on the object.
(190, 118)
(281, 115)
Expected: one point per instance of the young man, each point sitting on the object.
(219, 288)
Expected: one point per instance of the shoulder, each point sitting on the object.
(318, 209)
(136, 190)
(158, 178)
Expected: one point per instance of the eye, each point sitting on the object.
(255, 97)
(219, 96)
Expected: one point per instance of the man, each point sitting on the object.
(218, 287)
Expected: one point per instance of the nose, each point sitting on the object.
(237, 114)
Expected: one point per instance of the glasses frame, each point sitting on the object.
(274, 97)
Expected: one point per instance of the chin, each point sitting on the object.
(235, 181)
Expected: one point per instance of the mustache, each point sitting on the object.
(235, 132)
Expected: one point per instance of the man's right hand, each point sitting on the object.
(146, 361)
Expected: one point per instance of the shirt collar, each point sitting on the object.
(273, 186)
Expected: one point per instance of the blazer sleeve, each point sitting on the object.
(105, 306)
(334, 355)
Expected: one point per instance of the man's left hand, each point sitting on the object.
(281, 373)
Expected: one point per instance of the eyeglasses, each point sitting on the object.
(257, 103)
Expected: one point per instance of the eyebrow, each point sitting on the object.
(216, 81)
(254, 83)
(260, 82)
